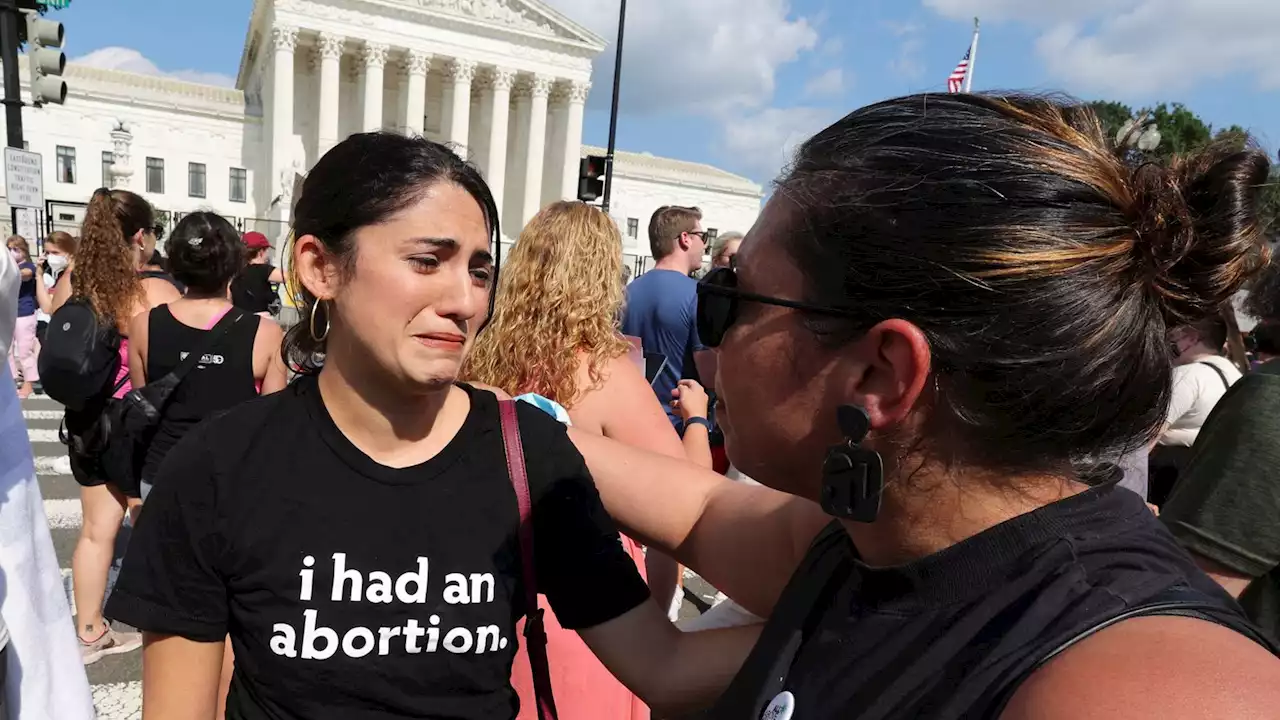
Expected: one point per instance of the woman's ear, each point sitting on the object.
(897, 363)
(316, 269)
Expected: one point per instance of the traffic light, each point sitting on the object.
(47, 61)
(591, 178)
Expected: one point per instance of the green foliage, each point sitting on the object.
(1112, 115)
(1181, 131)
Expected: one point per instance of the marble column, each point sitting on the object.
(416, 66)
(459, 75)
(498, 103)
(539, 89)
(374, 56)
(577, 100)
(284, 42)
(329, 54)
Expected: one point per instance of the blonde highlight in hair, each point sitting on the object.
(560, 296)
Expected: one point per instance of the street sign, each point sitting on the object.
(23, 178)
(27, 224)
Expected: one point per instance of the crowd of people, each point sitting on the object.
(909, 426)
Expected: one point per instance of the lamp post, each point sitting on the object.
(613, 112)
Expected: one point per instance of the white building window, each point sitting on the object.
(108, 159)
(239, 184)
(66, 164)
(633, 227)
(195, 180)
(155, 175)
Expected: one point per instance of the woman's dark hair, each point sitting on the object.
(1043, 270)
(106, 269)
(204, 253)
(362, 181)
(1266, 338)
(1263, 301)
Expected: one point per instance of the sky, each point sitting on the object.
(740, 83)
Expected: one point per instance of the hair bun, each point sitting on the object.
(1199, 233)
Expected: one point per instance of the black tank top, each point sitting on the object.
(223, 380)
(952, 635)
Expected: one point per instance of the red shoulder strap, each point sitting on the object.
(534, 632)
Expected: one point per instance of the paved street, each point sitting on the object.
(116, 680)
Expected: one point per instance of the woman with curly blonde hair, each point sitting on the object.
(555, 332)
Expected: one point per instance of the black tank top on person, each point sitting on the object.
(952, 635)
(224, 379)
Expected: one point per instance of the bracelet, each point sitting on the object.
(697, 421)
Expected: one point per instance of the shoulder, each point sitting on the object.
(159, 291)
(1171, 668)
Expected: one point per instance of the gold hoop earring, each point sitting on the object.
(314, 336)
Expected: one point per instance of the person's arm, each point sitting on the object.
(1233, 581)
(61, 291)
(1154, 668)
(44, 297)
(1183, 397)
(673, 672)
(276, 276)
(27, 270)
(691, 401)
(266, 347)
(180, 677)
(139, 336)
(745, 540)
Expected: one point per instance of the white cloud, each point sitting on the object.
(130, 60)
(1144, 48)
(831, 47)
(828, 84)
(705, 56)
(909, 62)
(766, 141)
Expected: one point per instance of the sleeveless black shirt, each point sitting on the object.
(223, 380)
(953, 634)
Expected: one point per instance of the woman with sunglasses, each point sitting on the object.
(116, 239)
(948, 303)
(357, 534)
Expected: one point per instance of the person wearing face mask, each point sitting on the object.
(359, 534)
(116, 239)
(947, 303)
(59, 248)
(25, 349)
(1201, 376)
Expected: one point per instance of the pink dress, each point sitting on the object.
(124, 371)
(583, 688)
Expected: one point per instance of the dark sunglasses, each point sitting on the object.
(718, 298)
(158, 231)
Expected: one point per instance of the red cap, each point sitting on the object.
(256, 241)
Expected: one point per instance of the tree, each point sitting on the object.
(1181, 131)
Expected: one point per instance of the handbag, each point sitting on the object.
(132, 419)
(534, 631)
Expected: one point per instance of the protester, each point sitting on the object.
(357, 534)
(116, 238)
(41, 675)
(59, 251)
(948, 300)
(1201, 376)
(724, 249)
(205, 254)
(555, 333)
(254, 289)
(25, 349)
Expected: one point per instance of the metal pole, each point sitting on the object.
(973, 58)
(613, 113)
(10, 16)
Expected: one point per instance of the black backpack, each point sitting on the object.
(80, 355)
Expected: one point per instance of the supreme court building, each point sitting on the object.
(504, 81)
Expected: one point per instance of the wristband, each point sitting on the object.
(697, 421)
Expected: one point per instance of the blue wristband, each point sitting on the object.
(697, 421)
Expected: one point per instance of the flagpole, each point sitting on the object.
(973, 58)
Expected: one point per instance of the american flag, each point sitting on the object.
(955, 83)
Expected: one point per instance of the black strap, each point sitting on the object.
(1179, 601)
(1225, 383)
(216, 333)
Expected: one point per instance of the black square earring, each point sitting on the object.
(852, 476)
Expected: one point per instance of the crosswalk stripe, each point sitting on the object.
(63, 513)
(118, 701)
(41, 435)
(42, 414)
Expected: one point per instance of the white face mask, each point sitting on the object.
(57, 263)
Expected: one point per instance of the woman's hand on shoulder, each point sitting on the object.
(1157, 668)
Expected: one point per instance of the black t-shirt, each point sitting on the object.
(356, 591)
(251, 290)
(950, 635)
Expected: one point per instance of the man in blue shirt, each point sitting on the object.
(661, 306)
